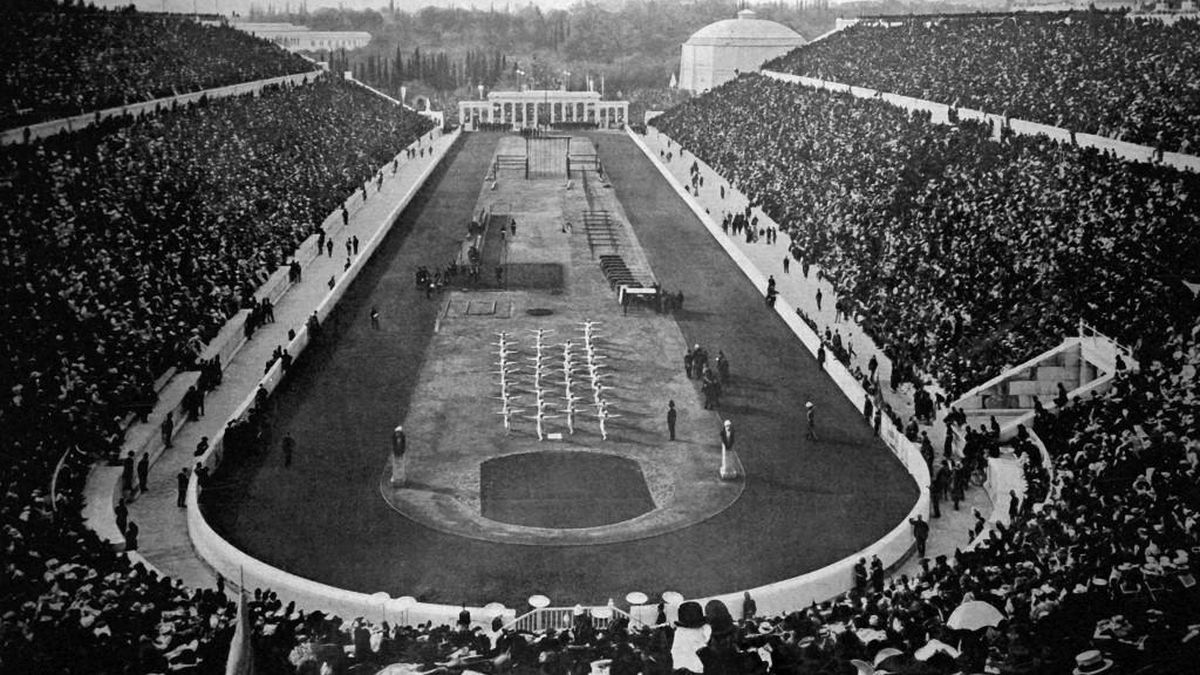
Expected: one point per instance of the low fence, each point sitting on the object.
(559, 618)
(819, 585)
(1001, 480)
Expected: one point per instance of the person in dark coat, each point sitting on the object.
(699, 360)
(168, 429)
(722, 367)
(289, 447)
(143, 472)
(131, 537)
(920, 530)
(121, 512)
(749, 607)
(127, 473)
(876, 574)
(671, 415)
(860, 575)
(181, 482)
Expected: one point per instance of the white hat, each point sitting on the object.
(808, 405)
(728, 423)
(1091, 662)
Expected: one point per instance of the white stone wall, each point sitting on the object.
(703, 67)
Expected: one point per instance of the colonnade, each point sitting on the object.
(534, 108)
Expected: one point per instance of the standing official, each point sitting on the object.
(671, 414)
(143, 472)
(181, 483)
(289, 447)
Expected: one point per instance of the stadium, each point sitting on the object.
(874, 352)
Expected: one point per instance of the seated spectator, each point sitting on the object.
(1133, 79)
(64, 60)
(124, 245)
(961, 255)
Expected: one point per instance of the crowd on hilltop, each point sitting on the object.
(125, 246)
(1137, 80)
(63, 60)
(961, 254)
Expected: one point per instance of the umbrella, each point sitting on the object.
(885, 654)
(974, 615)
(933, 647)
(864, 668)
(637, 598)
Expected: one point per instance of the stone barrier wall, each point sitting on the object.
(819, 585)
(233, 564)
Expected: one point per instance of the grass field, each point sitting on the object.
(560, 489)
(802, 505)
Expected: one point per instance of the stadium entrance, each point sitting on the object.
(541, 108)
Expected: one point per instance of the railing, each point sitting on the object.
(1087, 330)
(562, 617)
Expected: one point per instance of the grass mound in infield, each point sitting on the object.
(563, 489)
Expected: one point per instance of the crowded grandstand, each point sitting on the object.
(961, 249)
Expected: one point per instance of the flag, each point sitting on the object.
(241, 647)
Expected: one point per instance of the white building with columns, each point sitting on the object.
(543, 107)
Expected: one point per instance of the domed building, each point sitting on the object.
(716, 53)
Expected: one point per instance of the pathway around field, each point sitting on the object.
(805, 505)
(163, 538)
(948, 532)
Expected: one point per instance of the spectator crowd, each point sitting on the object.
(126, 246)
(1093, 570)
(63, 60)
(1134, 79)
(959, 254)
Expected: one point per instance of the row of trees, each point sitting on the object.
(632, 47)
(439, 71)
(586, 31)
